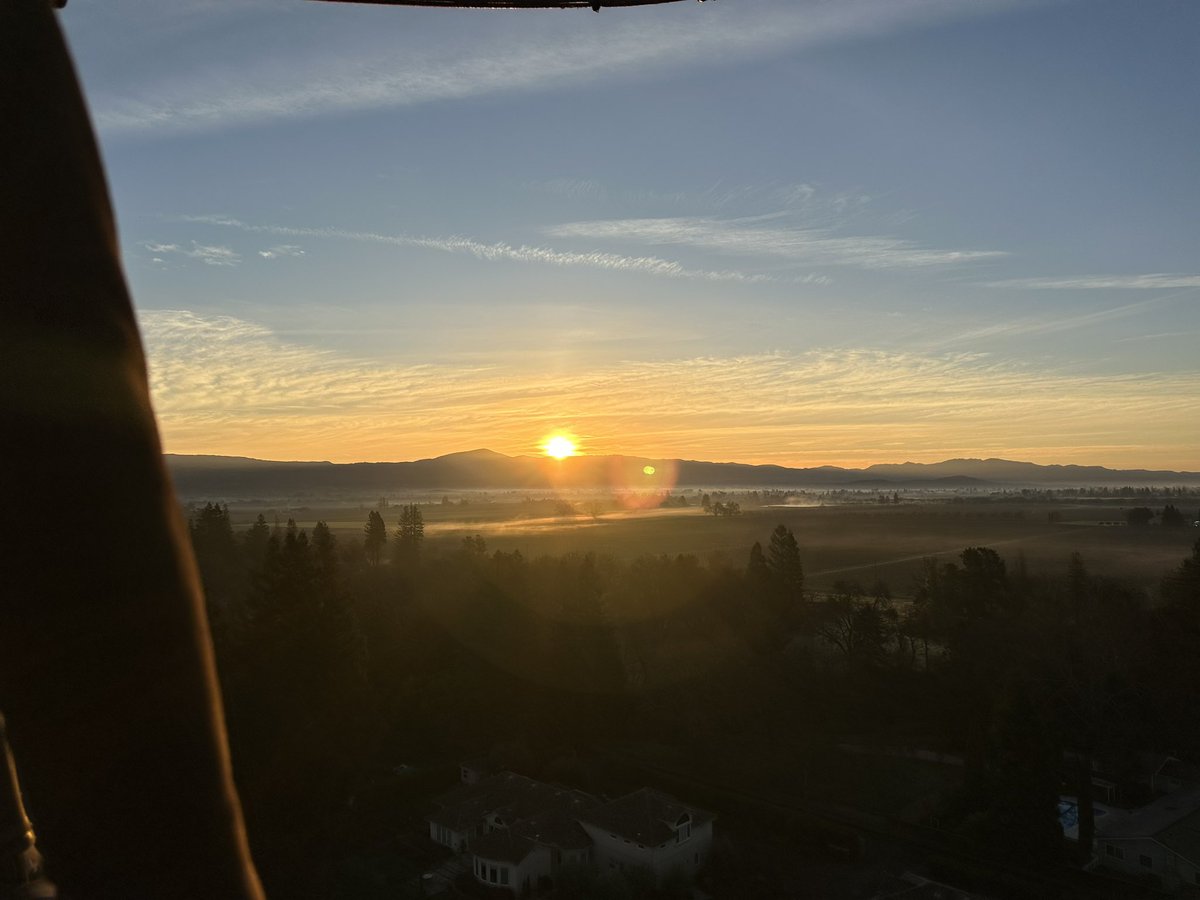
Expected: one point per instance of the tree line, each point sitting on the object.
(339, 658)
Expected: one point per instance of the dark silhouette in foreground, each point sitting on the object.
(106, 669)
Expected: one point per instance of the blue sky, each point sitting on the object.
(765, 230)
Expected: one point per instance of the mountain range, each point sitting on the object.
(232, 477)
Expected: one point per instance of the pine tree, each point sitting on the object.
(783, 561)
(410, 533)
(376, 536)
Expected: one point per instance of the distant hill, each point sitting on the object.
(240, 477)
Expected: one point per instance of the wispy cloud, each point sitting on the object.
(224, 385)
(280, 251)
(1149, 282)
(210, 255)
(750, 237)
(318, 77)
(1029, 326)
(792, 196)
(501, 251)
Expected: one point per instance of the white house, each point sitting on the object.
(520, 833)
(1160, 840)
(651, 830)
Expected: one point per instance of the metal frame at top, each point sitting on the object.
(512, 4)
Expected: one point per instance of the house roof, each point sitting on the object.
(559, 829)
(1183, 836)
(1173, 820)
(1179, 770)
(646, 816)
(531, 810)
(502, 846)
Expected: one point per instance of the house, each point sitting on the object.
(520, 833)
(1160, 841)
(651, 830)
(504, 803)
(1175, 775)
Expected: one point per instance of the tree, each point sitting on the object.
(757, 572)
(324, 546)
(722, 510)
(474, 547)
(783, 561)
(1181, 588)
(860, 628)
(410, 533)
(1172, 517)
(376, 536)
(216, 555)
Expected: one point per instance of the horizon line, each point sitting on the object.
(678, 459)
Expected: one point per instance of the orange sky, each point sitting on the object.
(224, 386)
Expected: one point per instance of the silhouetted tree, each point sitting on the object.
(1181, 589)
(376, 537)
(1172, 517)
(861, 628)
(216, 555)
(757, 572)
(1022, 815)
(474, 547)
(410, 533)
(787, 572)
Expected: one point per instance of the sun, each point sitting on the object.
(559, 447)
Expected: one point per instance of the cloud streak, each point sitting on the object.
(224, 385)
(210, 255)
(1149, 282)
(741, 237)
(315, 80)
(282, 250)
(501, 251)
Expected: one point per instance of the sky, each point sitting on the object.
(799, 232)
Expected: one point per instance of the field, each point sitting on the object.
(857, 540)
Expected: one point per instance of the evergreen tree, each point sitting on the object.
(783, 560)
(410, 534)
(757, 572)
(376, 536)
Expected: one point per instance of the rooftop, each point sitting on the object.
(1173, 820)
(530, 810)
(646, 816)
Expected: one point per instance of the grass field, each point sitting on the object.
(860, 542)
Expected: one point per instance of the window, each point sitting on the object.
(1146, 861)
(1114, 852)
(504, 875)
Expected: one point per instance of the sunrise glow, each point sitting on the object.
(559, 447)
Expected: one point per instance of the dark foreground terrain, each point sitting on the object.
(877, 685)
